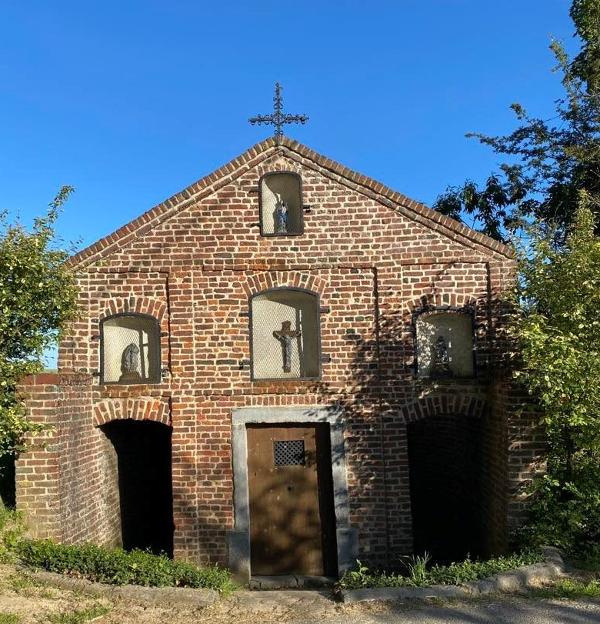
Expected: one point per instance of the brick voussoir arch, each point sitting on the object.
(441, 300)
(444, 404)
(285, 279)
(140, 408)
(135, 305)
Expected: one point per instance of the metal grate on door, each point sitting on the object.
(288, 452)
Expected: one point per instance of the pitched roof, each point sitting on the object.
(410, 207)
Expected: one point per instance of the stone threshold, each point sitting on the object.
(291, 581)
(511, 581)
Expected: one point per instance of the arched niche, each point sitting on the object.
(129, 349)
(285, 334)
(281, 204)
(444, 344)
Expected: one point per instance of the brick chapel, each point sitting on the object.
(283, 368)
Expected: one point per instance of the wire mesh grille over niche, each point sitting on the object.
(130, 349)
(285, 335)
(281, 204)
(445, 344)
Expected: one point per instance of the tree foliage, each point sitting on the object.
(547, 161)
(37, 300)
(558, 332)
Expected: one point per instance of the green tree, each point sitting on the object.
(558, 335)
(37, 300)
(547, 161)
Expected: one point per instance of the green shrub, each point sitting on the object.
(119, 567)
(421, 574)
(9, 618)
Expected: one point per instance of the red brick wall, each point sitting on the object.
(66, 481)
(371, 262)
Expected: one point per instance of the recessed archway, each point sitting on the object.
(445, 454)
(144, 476)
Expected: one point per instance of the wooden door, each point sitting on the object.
(292, 526)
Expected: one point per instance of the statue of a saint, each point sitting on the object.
(130, 361)
(440, 360)
(281, 217)
(285, 335)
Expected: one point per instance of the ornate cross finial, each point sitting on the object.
(278, 118)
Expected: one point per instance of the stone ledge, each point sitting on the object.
(159, 596)
(511, 581)
(291, 581)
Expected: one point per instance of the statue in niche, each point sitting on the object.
(281, 217)
(440, 360)
(130, 361)
(285, 336)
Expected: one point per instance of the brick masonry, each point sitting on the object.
(373, 256)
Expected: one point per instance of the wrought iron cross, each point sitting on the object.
(278, 118)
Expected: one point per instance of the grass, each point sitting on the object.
(24, 585)
(421, 573)
(21, 582)
(11, 530)
(77, 617)
(9, 618)
(568, 589)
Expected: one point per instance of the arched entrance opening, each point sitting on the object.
(445, 455)
(143, 453)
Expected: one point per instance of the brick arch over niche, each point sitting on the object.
(140, 408)
(136, 305)
(444, 404)
(284, 279)
(442, 300)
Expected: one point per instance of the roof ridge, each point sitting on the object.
(261, 149)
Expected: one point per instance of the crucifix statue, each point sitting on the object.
(440, 360)
(278, 118)
(285, 335)
(129, 364)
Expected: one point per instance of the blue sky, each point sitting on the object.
(131, 101)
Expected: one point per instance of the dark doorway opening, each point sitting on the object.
(445, 485)
(8, 489)
(143, 451)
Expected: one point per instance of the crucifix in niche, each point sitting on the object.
(285, 335)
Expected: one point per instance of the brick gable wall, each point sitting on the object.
(372, 263)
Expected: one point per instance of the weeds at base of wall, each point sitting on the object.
(120, 567)
(420, 572)
(103, 565)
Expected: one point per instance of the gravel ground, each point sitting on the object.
(35, 603)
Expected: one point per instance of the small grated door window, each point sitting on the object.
(288, 452)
